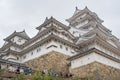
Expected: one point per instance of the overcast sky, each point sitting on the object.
(28, 14)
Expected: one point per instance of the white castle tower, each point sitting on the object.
(82, 47)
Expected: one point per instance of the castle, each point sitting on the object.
(81, 48)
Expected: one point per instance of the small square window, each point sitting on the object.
(38, 49)
(24, 57)
(32, 53)
(61, 46)
(67, 48)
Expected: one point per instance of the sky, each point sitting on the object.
(26, 15)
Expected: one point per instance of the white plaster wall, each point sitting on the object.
(83, 15)
(3, 66)
(92, 57)
(9, 56)
(77, 32)
(44, 51)
(15, 48)
(82, 23)
(112, 43)
(107, 51)
(63, 37)
(16, 40)
(37, 41)
(82, 61)
(107, 61)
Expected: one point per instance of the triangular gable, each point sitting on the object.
(52, 21)
(82, 13)
(20, 34)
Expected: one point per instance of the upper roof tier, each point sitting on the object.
(80, 14)
(52, 20)
(21, 34)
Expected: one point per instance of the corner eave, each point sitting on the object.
(90, 51)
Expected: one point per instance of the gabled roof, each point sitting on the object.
(83, 39)
(79, 12)
(22, 34)
(52, 20)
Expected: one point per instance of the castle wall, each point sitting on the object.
(97, 71)
(52, 60)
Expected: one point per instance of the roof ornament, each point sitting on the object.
(86, 7)
(23, 30)
(15, 31)
(51, 17)
(46, 19)
(76, 8)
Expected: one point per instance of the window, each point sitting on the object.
(19, 40)
(67, 48)
(24, 57)
(73, 32)
(13, 39)
(51, 46)
(15, 48)
(61, 46)
(38, 49)
(17, 58)
(31, 53)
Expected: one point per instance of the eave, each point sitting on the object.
(10, 62)
(50, 37)
(11, 44)
(102, 42)
(88, 12)
(17, 34)
(42, 34)
(53, 20)
(90, 51)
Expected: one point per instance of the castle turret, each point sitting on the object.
(83, 17)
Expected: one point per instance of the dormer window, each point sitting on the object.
(61, 46)
(19, 40)
(13, 39)
(17, 58)
(73, 32)
(31, 53)
(67, 48)
(85, 27)
(24, 57)
(38, 49)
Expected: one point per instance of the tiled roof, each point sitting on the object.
(22, 34)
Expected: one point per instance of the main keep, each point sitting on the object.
(84, 47)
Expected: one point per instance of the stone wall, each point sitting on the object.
(97, 71)
(54, 60)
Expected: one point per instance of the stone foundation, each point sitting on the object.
(97, 71)
(54, 60)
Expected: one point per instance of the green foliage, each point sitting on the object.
(21, 77)
(1, 71)
(36, 76)
(76, 78)
(86, 78)
(39, 76)
(13, 79)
